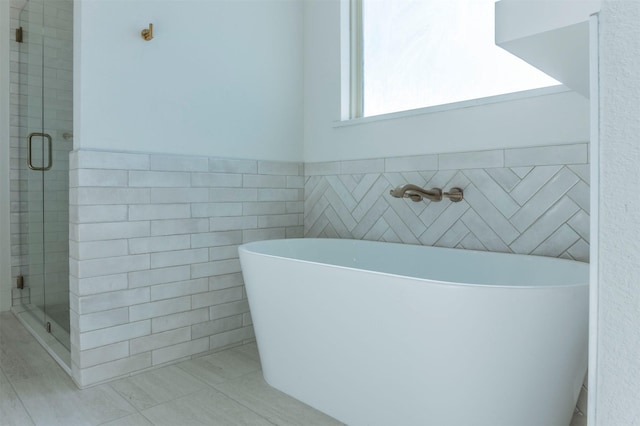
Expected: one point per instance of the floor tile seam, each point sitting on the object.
(240, 402)
(123, 417)
(198, 378)
(235, 349)
(209, 386)
(205, 386)
(245, 355)
(146, 418)
(15, 392)
(223, 381)
(52, 373)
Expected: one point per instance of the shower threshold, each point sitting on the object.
(57, 351)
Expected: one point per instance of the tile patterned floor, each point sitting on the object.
(224, 388)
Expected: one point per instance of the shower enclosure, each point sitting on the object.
(44, 118)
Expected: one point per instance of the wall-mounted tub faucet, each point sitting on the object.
(415, 193)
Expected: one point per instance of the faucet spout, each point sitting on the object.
(415, 193)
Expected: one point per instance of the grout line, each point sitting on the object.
(221, 391)
(22, 404)
(9, 381)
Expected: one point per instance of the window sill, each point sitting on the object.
(453, 106)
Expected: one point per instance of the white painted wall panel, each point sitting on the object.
(220, 78)
(618, 332)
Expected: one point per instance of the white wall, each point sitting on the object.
(220, 78)
(618, 331)
(547, 120)
(5, 255)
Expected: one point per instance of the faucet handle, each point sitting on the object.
(455, 194)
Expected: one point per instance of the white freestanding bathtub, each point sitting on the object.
(389, 334)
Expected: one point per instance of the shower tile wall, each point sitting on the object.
(528, 200)
(26, 117)
(155, 275)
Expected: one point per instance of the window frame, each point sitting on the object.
(352, 64)
(356, 65)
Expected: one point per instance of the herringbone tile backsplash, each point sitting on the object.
(527, 201)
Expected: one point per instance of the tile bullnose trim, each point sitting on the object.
(555, 154)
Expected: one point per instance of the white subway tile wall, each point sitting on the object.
(155, 275)
(527, 201)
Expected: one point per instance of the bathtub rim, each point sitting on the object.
(245, 247)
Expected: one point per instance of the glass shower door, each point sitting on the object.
(57, 122)
(46, 54)
(31, 91)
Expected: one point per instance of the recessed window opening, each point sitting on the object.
(409, 54)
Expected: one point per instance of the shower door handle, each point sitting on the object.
(29, 157)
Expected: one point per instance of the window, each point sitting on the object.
(409, 54)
